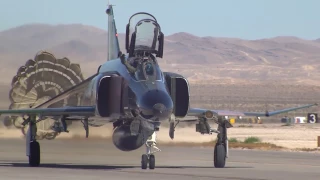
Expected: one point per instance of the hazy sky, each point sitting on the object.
(248, 19)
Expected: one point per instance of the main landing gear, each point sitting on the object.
(221, 148)
(149, 157)
(33, 146)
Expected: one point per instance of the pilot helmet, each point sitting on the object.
(149, 68)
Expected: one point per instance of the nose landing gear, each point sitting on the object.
(149, 157)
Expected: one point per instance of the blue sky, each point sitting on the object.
(247, 19)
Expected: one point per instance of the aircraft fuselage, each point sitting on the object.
(147, 94)
(149, 103)
(131, 90)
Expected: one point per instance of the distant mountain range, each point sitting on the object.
(206, 59)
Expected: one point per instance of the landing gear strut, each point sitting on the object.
(86, 127)
(149, 157)
(221, 148)
(33, 146)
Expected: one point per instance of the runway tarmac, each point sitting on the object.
(97, 159)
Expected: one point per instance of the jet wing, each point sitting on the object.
(44, 109)
(77, 111)
(201, 112)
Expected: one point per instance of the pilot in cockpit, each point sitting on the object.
(132, 63)
(149, 68)
(144, 42)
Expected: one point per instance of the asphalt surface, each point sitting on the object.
(98, 159)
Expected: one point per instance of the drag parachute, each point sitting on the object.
(38, 81)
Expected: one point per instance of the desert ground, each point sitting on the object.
(82, 160)
(291, 137)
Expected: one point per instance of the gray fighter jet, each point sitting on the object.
(130, 91)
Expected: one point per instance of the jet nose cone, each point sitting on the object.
(155, 103)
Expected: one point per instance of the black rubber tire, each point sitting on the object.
(144, 161)
(34, 157)
(152, 161)
(219, 156)
(7, 122)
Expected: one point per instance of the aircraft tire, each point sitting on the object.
(219, 156)
(7, 122)
(144, 161)
(152, 161)
(34, 157)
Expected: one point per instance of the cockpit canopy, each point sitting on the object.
(143, 35)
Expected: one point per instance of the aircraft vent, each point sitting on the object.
(109, 95)
(178, 88)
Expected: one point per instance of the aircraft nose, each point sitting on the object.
(159, 109)
(156, 103)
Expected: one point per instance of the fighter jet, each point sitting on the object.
(130, 91)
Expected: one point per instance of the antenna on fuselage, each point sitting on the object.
(113, 42)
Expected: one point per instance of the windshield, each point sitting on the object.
(147, 71)
(134, 19)
(147, 33)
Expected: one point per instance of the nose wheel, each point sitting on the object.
(145, 160)
(149, 158)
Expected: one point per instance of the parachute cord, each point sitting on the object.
(36, 71)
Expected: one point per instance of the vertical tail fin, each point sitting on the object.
(113, 42)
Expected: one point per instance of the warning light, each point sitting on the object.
(117, 34)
